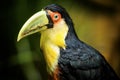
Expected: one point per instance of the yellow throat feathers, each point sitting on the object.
(51, 41)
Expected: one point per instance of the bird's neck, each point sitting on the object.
(72, 39)
(50, 43)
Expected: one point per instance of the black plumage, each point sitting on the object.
(80, 61)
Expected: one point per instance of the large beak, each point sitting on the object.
(36, 23)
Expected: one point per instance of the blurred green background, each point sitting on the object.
(97, 22)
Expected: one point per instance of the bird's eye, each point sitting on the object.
(56, 16)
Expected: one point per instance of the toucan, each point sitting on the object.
(66, 56)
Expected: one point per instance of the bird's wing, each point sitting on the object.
(87, 64)
(86, 60)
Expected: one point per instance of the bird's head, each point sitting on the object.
(48, 18)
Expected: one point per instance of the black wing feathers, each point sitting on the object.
(84, 63)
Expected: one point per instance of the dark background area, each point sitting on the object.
(96, 22)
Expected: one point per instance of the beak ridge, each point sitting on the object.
(36, 23)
